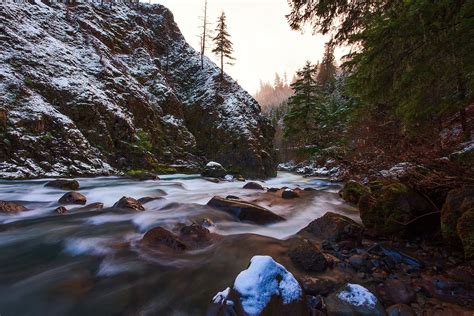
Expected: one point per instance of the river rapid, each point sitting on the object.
(89, 263)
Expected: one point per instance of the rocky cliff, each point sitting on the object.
(91, 90)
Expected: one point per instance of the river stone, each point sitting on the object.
(92, 206)
(61, 210)
(73, 198)
(289, 194)
(318, 285)
(214, 170)
(195, 235)
(454, 207)
(148, 199)
(159, 237)
(11, 207)
(400, 310)
(394, 291)
(306, 256)
(253, 186)
(354, 299)
(245, 211)
(63, 184)
(129, 203)
(333, 227)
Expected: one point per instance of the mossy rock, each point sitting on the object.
(457, 202)
(465, 231)
(386, 211)
(353, 191)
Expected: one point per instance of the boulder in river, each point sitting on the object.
(354, 299)
(64, 184)
(264, 288)
(306, 256)
(353, 191)
(253, 186)
(333, 227)
(11, 207)
(245, 211)
(73, 198)
(129, 203)
(214, 170)
(289, 194)
(159, 237)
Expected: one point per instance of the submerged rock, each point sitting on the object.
(253, 186)
(306, 256)
(214, 170)
(63, 184)
(73, 198)
(353, 191)
(148, 199)
(265, 288)
(334, 227)
(354, 299)
(159, 237)
(92, 206)
(245, 211)
(11, 207)
(61, 210)
(129, 203)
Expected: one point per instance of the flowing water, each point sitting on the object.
(90, 263)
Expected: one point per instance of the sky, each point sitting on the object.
(263, 41)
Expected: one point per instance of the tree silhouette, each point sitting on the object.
(223, 45)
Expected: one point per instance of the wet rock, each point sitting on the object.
(265, 288)
(148, 199)
(245, 211)
(73, 198)
(353, 191)
(213, 180)
(226, 303)
(253, 186)
(239, 177)
(333, 227)
(272, 190)
(359, 262)
(144, 176)
(195, 235)
(206, 222)
(289, 194)
(394, 291)
(386, 211)
(11, 207)
(63, 184)
(129, 203)
(60, 210)
(400, 310)
(306, 256)
(318, 286)
(214, 170)
(92, 206)
(232, 197)
(159, 237)
(354, 299)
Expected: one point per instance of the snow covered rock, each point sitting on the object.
(214, 170)
(265, 288)
(89, 90)
(353, 299)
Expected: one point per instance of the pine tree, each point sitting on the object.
(327, 70)
(304, 104)
(223, 46)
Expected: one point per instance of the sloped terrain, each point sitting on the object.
(90, 90)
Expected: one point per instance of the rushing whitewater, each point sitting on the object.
(88, 262)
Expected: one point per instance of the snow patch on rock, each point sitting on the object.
(357, 295)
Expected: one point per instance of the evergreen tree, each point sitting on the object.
(303, 105)
(223, 46)
(327, 69)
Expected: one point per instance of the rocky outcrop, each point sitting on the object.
(457, 220)
(89, 90)
(214, 170)
(245, 211)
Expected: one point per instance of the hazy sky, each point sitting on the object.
(263, 41)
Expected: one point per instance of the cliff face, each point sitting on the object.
(89, 90)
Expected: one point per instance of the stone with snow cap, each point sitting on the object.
(353, 299)
(214, 170)
(265, 288)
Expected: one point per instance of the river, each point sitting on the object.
(89, 263)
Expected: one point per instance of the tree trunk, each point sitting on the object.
(222, 66)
